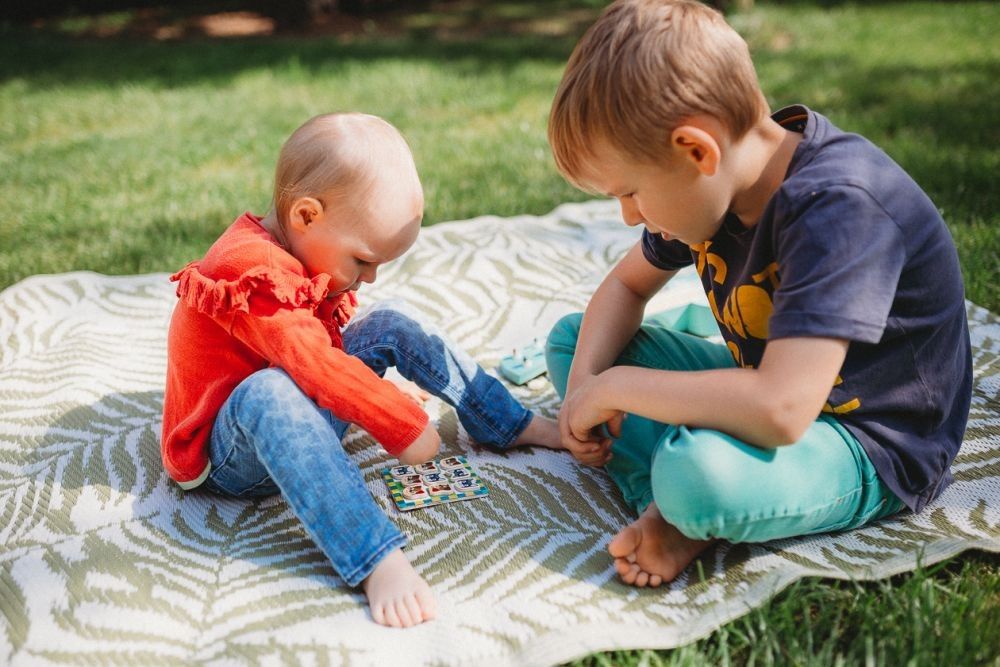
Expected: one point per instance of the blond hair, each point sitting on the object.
(336, 155)
(640, 70)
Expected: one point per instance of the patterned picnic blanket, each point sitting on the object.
(102, 560)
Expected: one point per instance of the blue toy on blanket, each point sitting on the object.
(524, 365)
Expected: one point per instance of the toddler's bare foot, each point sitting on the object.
(397, 595)
(650, 551)
(540, 431)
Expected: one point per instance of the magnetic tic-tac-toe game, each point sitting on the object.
(436, 482)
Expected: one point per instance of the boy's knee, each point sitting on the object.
(699, 485)
(564, 334)
(560, 347)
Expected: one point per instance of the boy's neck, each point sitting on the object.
(764, 154)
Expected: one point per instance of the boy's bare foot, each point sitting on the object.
(397, 595)
(650, 551)
(540, 431)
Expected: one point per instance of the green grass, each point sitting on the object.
(131, 155)
(947, 614)
(126, 156)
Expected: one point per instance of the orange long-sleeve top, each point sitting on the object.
(249, 305)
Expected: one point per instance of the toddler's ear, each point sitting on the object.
(698, 146)
(304, 211)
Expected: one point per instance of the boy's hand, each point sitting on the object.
(424, 448)
(585, 428)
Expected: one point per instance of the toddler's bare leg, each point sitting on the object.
(540, 431)
(650, 551)
(397, 595)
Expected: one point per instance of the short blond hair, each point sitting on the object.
(336, 155)
(643, 68)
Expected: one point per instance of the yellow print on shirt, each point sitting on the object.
(747, 310)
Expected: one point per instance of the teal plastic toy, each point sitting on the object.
(524, 365)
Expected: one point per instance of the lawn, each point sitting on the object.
(129, 154)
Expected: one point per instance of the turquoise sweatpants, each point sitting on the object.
(711, 485)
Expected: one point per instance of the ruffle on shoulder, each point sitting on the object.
(339, 309)
(220, 297)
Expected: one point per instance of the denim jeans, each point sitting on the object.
(709, 484)
(269, 437)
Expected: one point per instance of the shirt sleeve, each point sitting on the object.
(840, 257)
(273, 313)
(666, 255)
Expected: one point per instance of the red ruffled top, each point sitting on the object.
(248, 305)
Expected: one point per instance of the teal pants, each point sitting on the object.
(711, 485)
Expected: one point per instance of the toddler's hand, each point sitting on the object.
(424, 448)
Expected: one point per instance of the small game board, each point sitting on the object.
(436, 482)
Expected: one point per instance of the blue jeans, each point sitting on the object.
(269, 437)
(709, 484)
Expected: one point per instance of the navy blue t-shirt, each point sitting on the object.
(850, 247)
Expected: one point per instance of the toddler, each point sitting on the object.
(263, 378)
(842, 391)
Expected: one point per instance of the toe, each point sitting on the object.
(655, 580)
(633, 572)
(413, 608)
(428, 604)
(403, 613)
(642, 579)
(378, 614)
(621, 566)
(625, 542)
(391, 618)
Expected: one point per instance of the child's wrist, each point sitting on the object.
(612, 386)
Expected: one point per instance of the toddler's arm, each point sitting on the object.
(424, 448)
(295, 340)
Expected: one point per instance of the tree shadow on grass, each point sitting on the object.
(44, 60)
(948, 106)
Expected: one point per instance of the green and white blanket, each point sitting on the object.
(103, 560)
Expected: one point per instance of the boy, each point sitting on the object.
(843, 390)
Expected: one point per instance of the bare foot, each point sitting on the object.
(397, 595)
(650, 551)
(540, 431)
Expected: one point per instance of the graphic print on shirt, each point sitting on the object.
(744, 314)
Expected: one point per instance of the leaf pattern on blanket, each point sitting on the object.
(103, 560)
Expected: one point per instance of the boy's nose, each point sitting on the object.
(630, 213)
(368, 275)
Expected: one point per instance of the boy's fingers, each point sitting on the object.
(615, 425)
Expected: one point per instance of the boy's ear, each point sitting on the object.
(699, 146)
(303, 212)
